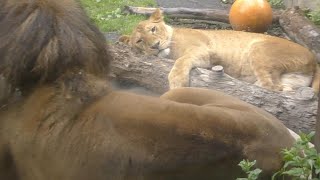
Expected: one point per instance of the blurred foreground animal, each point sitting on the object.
(270, 62)
(68, 123)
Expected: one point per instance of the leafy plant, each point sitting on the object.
(314, 16)
(301, 162)
(246, 166)
(277, 3)
(108, 16)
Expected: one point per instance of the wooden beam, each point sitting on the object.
(190, 13)
(317, 135)
(301, 30)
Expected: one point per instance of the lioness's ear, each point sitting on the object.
(125, 39)
(156, 16)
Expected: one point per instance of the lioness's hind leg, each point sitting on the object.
(276, 79)
(267, 74)
(266, 79)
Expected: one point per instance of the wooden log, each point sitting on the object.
(317, 135)
(7, 94)
(301, 30)
(4, 91)
(297, 110)
(190, 13)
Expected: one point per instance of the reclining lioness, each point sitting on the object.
(268, 61)
(69, 124)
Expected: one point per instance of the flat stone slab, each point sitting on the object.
(199, 4)
(312, 4)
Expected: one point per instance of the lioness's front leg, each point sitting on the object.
(267, 74)
(179, 74)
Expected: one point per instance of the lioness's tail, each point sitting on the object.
(316, 80)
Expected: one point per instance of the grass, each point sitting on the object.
(107, 14)
(314, 16)
(278, 4)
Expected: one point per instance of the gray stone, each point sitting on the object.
(311, 4)
(199, 4)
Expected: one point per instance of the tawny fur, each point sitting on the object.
(268, 61)
(68, 124)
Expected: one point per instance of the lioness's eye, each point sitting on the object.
(139, 41)
(153, 29)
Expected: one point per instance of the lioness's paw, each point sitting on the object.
(274, 87)
(287, 88)
(269, 86)
(277, 88)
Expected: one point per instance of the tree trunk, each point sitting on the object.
(301, 30)
(297, 110)
(190, 13)
(317, 136)
(5, 91)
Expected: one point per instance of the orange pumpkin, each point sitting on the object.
(250, 15)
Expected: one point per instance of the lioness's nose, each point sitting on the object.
(156, 45)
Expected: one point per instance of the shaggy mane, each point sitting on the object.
(50, 37)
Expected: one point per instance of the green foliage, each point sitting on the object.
(301, 162)
(314, 16)
(246, 166)
(107, 14)
(276, 3)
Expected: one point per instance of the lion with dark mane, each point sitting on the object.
(69, 124)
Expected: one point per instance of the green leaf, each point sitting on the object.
(253, 175)
(276, 174)
(311, 152)
(300, 161)
(290, 163)
(246, 165)
(310, 135)
(296, 172)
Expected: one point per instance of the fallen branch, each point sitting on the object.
(297, 110)
(301, 30)
(190, 13)
(317, 135)
(4, 90)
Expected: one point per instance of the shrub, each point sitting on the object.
(301, 162)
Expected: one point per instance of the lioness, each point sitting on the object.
(268, 61)
(69, 124)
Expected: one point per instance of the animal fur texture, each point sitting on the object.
(270, 62)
